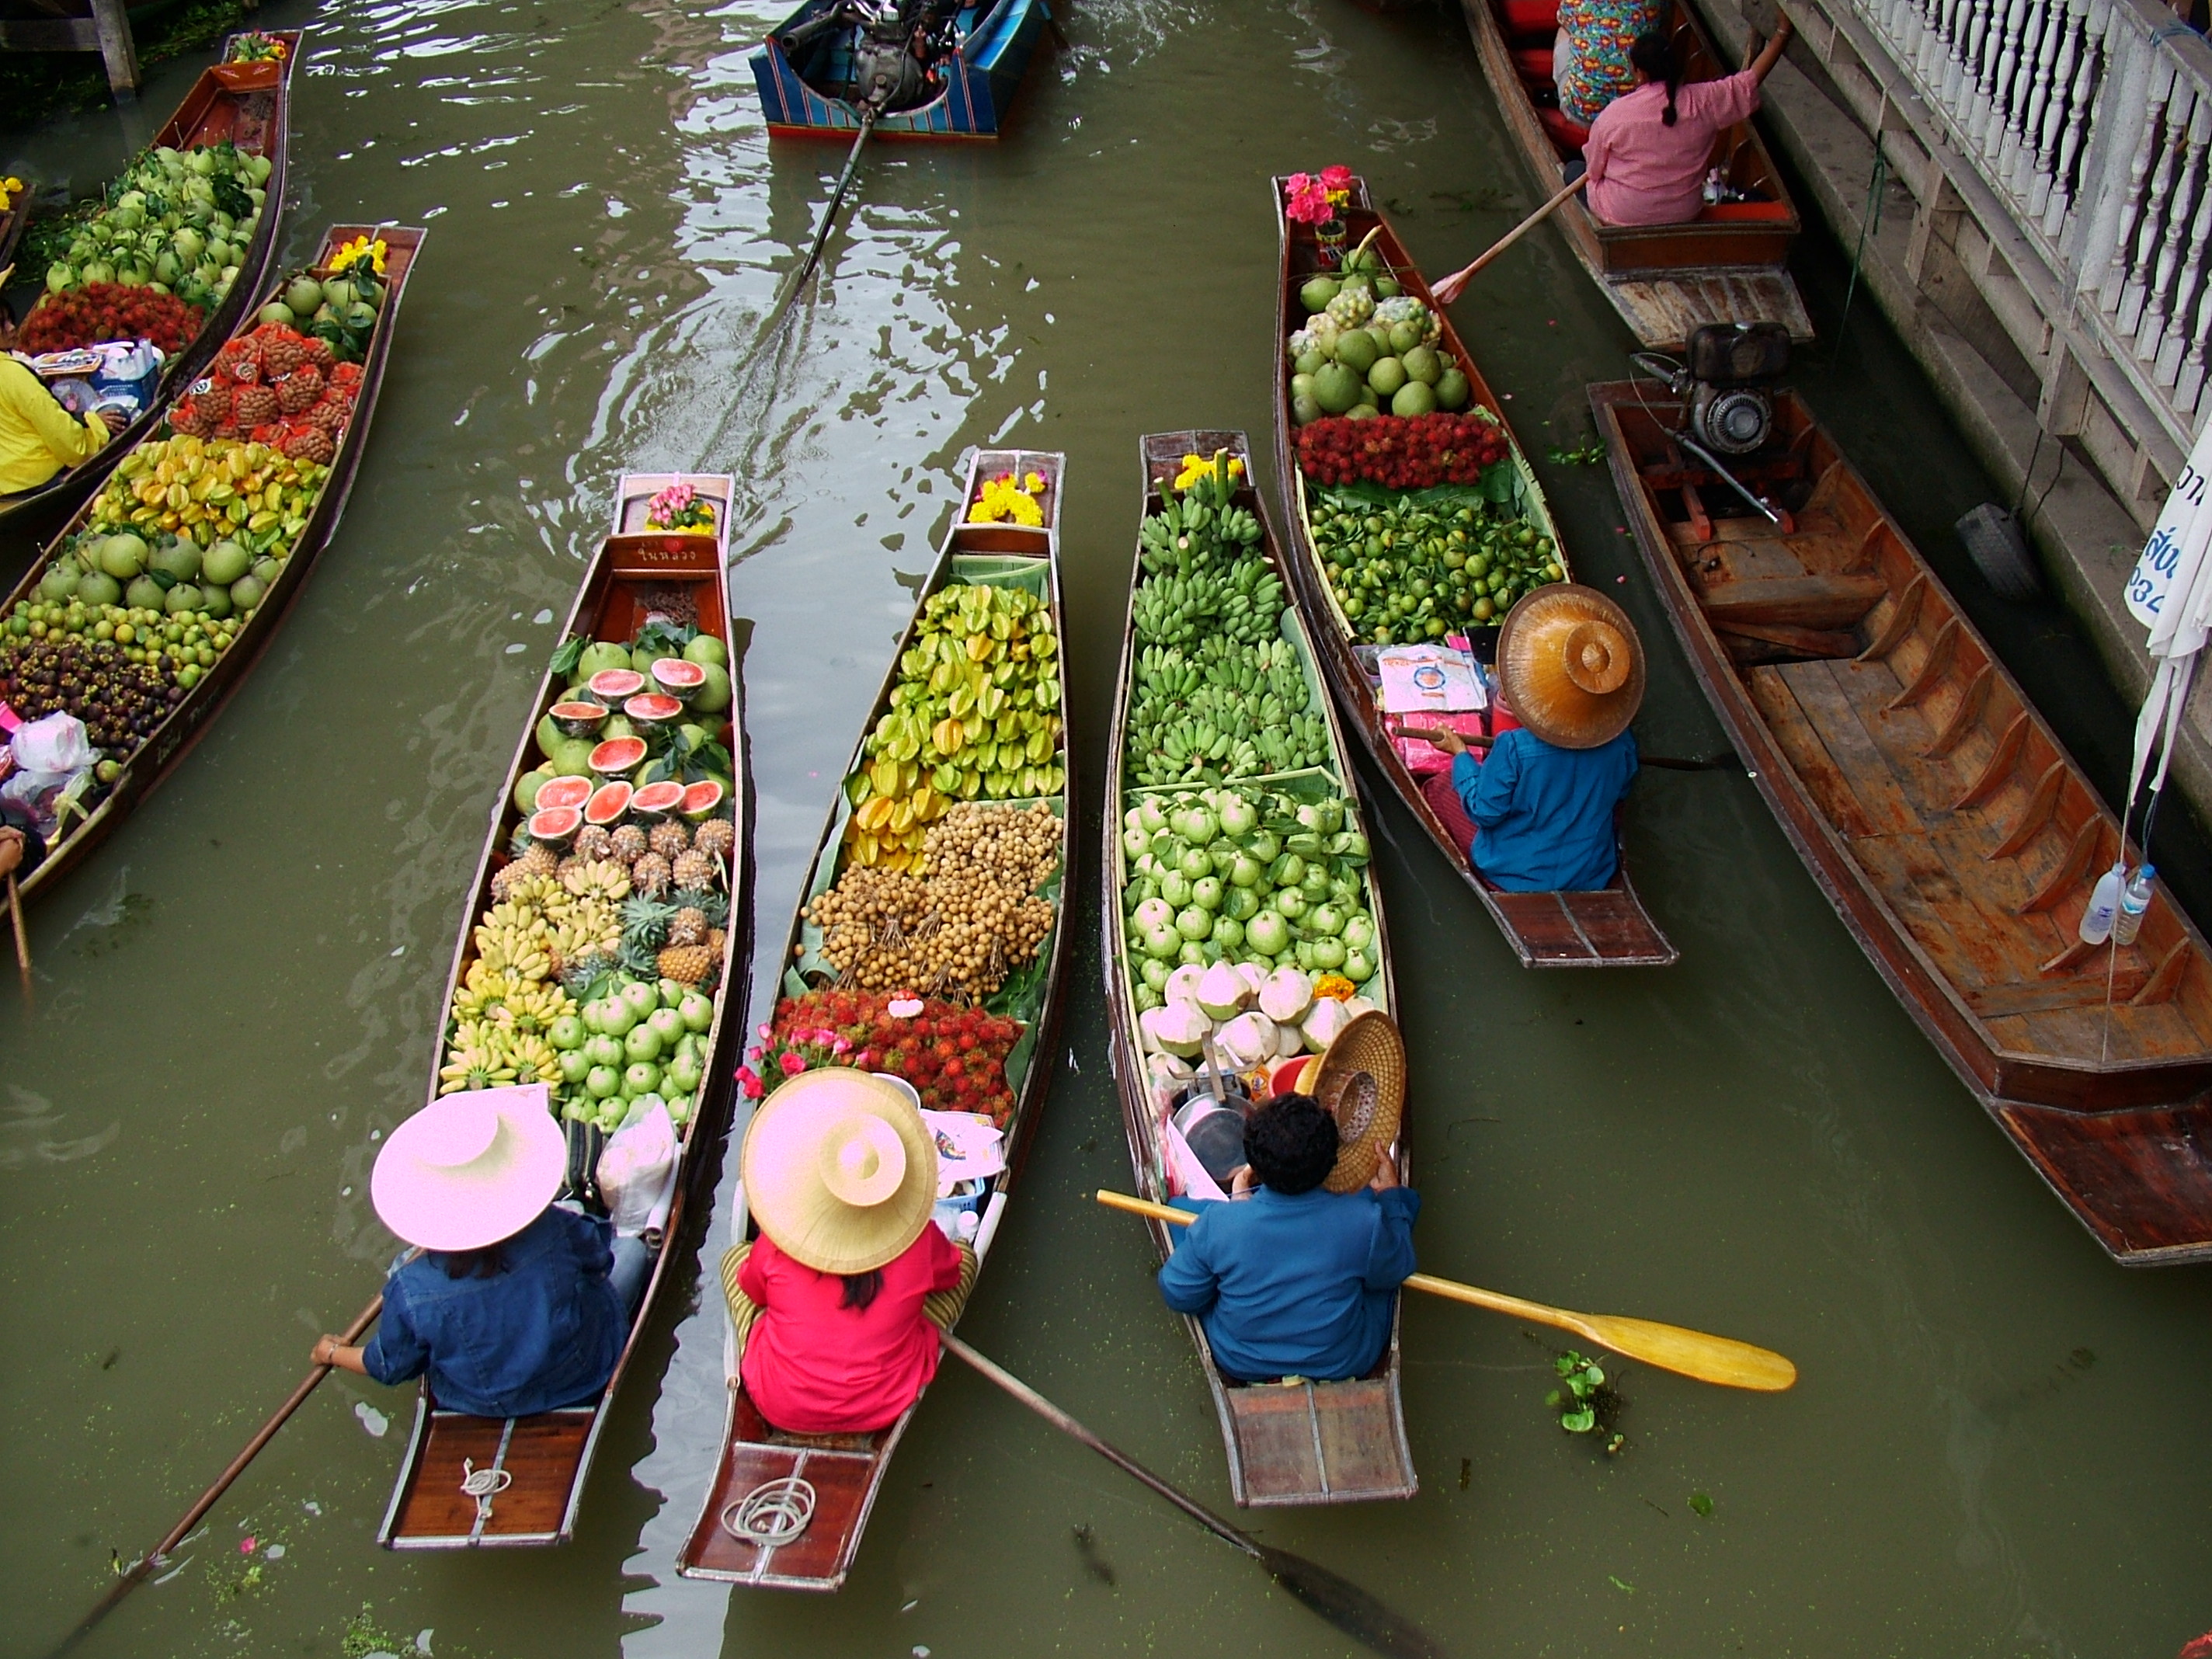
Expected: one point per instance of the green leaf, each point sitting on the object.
(1579, 1422)
(570, 653)
(1701, 1502)
(1620, 1584)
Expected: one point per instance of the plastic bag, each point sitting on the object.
(50, 755)
(637, 1172)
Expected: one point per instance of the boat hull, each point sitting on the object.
(978, 83)
(1937, 811)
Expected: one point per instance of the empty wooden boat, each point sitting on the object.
(1938, 811)
(144, 757)
(1725, 266)
(815, 69)
(1606, 928)
(256, 121)
(839, 1474)
(468, 1482)
(1298, 1443)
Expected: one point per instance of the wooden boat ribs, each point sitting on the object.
(1951, 830)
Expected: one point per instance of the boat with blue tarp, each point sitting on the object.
(929, 69)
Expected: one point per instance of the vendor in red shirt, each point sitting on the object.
(1647, 150)
(837, 1303)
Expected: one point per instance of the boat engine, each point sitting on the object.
(892, 45)
(1725, 382)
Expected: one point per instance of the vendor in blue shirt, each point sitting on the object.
(1290, 1280)
(1537, 817)
(510, 1304)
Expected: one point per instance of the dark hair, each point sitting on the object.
(861, 1289)
(487, 1263)
(1654, 53)
(1291, 1143)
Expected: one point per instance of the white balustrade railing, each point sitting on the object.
(2090, 121)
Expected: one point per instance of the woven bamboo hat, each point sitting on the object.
(470, 1169)
(1362, 1085)
(1572, 665)
(840, 1171)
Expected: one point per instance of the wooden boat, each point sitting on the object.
(1607, 928)
(159, 751)
(12, 225)
(1725, 266)
(1937, 810)
(258, 122)
(548, 1457)
(806, 78)
(844, 1472)
(1304, 1442)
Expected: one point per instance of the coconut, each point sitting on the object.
(1222, 993)
(1165, 1072)
(1183, 983)
(1355, 1007)
(1255, 977)
(1286, 996)
(1323, 1022)
(1247, 1041)
(1178, 1029)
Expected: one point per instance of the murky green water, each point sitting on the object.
(1992, 1451)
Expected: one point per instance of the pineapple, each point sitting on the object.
(697, 869)
(717, 942)
(688, 965)
(646, 921)
(671, 839)
(651, 874)
(539, 860)
(716, 838)
(593, 842)
(687, 927)
(630, 844)
(706, 900)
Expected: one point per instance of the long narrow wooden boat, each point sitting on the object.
(806, 82)
(1725, 266)
(635, 576)
(13, 223)
(844, 1472)
(1606, 928)
(1302, 1442)
(259, 123)
(156, 752)
(1937, 810)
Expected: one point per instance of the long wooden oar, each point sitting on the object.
(797, 280)
(1455, 284)
(22, 935)
(1721, 1360)
(135, 1574)
(1343, 1604)
(1670, 763)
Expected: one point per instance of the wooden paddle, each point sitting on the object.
(1455, 284)
(22, 935)
(1719, 1359)
(1343, 1604)
(1670, 763)
(135, 1574)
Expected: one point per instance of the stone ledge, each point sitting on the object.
(2086, 539)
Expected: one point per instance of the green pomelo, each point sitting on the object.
(600, 656)
(303, 294)
(247, 592)
(1452, 390)
(1310, 362)
(1424, 365)
(216, 601)
(1305, 410)
(277, 311)
(58, 584)
(1382, 336)
(1318, 292)
(708, 649)
(95, 588)
(527, 785)
(642, 660)
(1337, 387)
(1386, 377)
(1386, 288)
(122, 556)
(713, 697)
(266, 571)
(144, 594)
(550, 737)
(1404, 337)
(179, 561)
(1301, 386)
(225, 563)
(1356, 350)
(1363, 412)
(572, 756)
(184, 596)
(1414, 397)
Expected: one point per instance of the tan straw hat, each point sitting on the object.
(470, 1169)
(1572, 665)
(840, 1171)
(1362, 1085)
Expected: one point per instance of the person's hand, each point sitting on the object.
(1783, 28)
(1386, 1173)
(115, 420)
(1442, 737)
(325, 1351)
(11, 851)
(1242, 1183)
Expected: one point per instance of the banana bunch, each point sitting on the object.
(1192, 532)
(603, 879)
(596, 933)
(208, 488)
(1243, 602)
(484, 992)
(483, 1055)
(531, 1009)
(512, 940)
(1183, 704)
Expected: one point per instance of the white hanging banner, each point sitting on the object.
(2169, 592)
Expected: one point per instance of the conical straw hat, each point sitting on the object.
(840, 1169)
(1572, 665)
(470, 1169)
(1362, 1085)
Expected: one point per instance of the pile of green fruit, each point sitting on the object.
(1217, 693)
(1423, 564)
(171, 574)
(180, 221)
(1361, 356)
(640, 1045)
(975, 715)
(1244, 875)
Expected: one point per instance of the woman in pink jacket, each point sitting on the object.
(1647, 150)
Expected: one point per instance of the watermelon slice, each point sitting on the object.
(555, 826)
(679, 678)
(608, 803)
(652, 709)
(579, 717)
(564, 791)
(657, 800)
(702, 801)
(611, 685)
(616, 754)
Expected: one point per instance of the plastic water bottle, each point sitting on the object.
(2135, 899)
(2104, 905)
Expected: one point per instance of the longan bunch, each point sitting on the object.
(1018, 847)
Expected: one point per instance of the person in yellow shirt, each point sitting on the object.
(39, 437)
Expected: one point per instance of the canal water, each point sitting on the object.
(1993, 1449)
